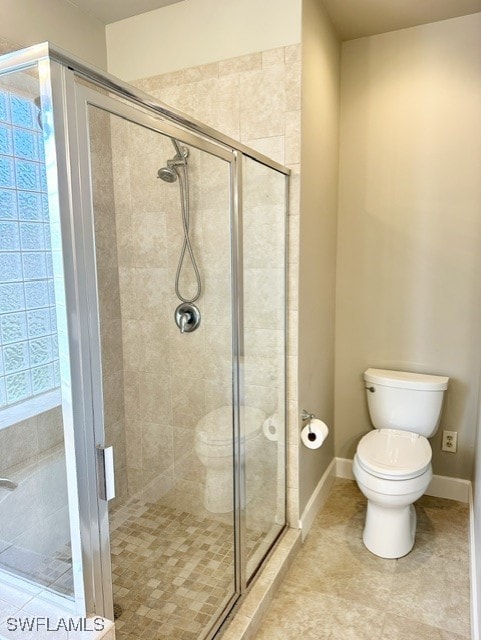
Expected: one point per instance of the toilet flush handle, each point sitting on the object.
(371, 389)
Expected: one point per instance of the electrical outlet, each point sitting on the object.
(450, 441)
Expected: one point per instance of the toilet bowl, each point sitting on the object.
(214, 448)
(393, 470)
(392, 464)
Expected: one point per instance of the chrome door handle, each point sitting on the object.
(105, 473)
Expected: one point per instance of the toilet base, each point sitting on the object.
(389, 532)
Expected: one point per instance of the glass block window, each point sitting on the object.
(29, 363)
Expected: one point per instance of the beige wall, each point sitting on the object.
(27, 22)
(317, 238)
(409, 263)
(195, 32)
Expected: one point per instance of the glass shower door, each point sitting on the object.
(161, 209)
(264, 380)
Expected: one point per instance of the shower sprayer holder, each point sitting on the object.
(187, 317)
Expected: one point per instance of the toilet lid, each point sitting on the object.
(391, 453)
(216, 426)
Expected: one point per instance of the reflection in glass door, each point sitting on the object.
(162, 232)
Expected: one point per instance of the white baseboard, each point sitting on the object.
(344, 468)
(472, 572)
(450, 488)
(439, 487)
(317, 499)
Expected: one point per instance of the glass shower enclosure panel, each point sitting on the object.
(35, 398)
(162, 222)
(264, 373)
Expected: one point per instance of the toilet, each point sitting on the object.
(214, 448)
(392, 464)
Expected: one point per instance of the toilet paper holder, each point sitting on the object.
(314, 432)
(305, 416)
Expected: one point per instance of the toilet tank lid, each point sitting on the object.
(406, 380)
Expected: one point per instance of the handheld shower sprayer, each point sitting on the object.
(187, 315)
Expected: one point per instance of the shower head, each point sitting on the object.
(167, 174)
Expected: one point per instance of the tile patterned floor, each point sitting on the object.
(337, 590)
(172, 572)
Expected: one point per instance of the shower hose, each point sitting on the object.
(186, 246)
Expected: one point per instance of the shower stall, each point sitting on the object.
(142, 352)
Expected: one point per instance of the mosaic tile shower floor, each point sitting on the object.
(337, 590)
(171, 571)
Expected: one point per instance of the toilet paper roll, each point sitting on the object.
(270, 427)
(314, 434)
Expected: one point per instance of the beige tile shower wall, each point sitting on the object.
(142, 272)
(255, 99)
(171, 380)
(22, 443)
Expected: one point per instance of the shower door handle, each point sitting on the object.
(105, 473)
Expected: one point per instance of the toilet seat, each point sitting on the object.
(393, 454)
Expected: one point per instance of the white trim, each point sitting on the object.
(439, 487)
(29, 408)
(317, 499)
(344, 468)
(472, 571)
(450, 488)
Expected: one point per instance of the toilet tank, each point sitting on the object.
(406, 401)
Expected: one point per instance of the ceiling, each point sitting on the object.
(108, 11)
(352, 18)
(359, 18)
